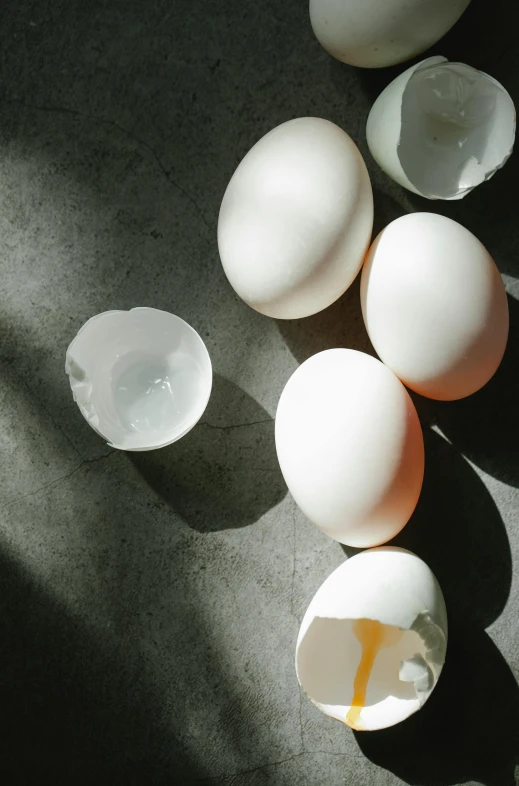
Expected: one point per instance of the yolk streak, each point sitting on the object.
(372, 636)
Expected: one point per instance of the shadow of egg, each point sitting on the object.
(467, 730)
(458, 531)
(484, 426)
(223, 474)
(339, 325)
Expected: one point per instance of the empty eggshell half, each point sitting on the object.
(350, 446)
(296, 219)
(372, 643)
(440, 128)
(141, 378)
(434, 306)
(378, 33)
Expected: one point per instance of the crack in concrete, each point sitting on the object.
(58, 480)
(239, 774)
(47, 412)
(294, 562)
(233, 776)
(142, 142)
(235, 425)
(301, 718)
(294, 567)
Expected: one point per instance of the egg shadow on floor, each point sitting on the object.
(487, 41)
(485, 426)
(467, 731)
(458, 531)
(339, 325)
(468, 728)
(224, 473)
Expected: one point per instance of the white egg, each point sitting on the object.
(350, 446)
(377, 33)
(440, 129)
(372, 643)
(296, 219)
(434, 306)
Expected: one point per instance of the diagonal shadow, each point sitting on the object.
(224, 473)
(467, 731)
(484, 426)
(458, 531)
(76, 707)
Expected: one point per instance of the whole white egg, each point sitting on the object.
(373, 34)
(434, 306)
(350, 446)
(296, 219)
(372, 643)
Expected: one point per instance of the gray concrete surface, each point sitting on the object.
(149, 604)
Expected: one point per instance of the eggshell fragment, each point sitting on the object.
(434, 306)
(350, 446)
(141, 378)
(377, 33)
(296, 219)
(372, 643)
(440, 129)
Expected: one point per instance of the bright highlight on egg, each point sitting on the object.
(378, 33)
(434, 306)
(440, 129)
(296, 219)
(372, 643)
(350, 447)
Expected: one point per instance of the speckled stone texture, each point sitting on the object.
(150, 603)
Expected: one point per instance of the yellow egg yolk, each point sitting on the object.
(372, 637)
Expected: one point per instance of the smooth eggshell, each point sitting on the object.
(350, 446)
(396, 588)
(434, 306)
(374, 34)
(296, 219)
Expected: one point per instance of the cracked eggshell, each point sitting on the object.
(378, 33)
(372, 643)
(296, 219)
(434, 306)
(350, 446)
(440, 128)
(141, 378)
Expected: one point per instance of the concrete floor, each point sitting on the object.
(149, 604)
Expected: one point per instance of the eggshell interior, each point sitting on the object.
(395, 590)
(350, 446)
(434, 306)
(441, 129)
(141, 378)
(296, 219)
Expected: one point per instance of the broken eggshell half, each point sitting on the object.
(440, 128)
(372, 643)
(141, 378)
